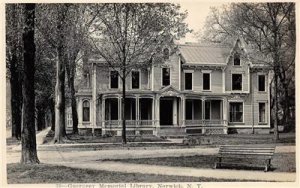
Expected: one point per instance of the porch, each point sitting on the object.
(165, 116)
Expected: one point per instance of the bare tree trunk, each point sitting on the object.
(15, 80)
(40, 118)
(52, 111)
(16, 98)
(70, 68)
(74, 108)
(60, 131)
(60, 100)
(276, 135)
(123, 109)
(29, 152)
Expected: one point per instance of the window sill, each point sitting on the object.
(262, 92)
(206, 90)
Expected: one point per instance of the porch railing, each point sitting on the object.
(129, 123)
(205, 123)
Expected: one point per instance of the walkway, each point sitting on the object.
(184, 171)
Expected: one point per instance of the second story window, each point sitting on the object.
(237, 60)
(114, 79)
(206, 81)
(166, 76)
(261, 83)
(237, 81)
(135, 79)
(188, 80)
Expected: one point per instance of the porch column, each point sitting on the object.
(153, 110)
(225, 112)
(175, 123)
(156, 116)
(203, 114)
(137, 114)
(183, 111)
(103, 115)
(94, 90)
(119, 132)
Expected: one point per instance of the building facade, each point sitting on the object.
(197, 90)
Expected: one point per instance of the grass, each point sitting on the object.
(76, 138)
(44, 173)
(234, 139)
(283, 162)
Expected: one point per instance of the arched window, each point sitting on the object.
(86, 111)
(166, 53)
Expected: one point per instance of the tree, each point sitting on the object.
(77, 25)
(67, 25)
(269, 28)
(14, 63)
(29, 152)
(129, 36)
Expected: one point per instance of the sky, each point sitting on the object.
(197, 12)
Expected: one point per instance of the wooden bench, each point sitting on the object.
(245, 155)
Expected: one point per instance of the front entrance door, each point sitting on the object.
(166, 111)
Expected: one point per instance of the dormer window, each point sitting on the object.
(166, 53)
(237, 60)
(165, 76)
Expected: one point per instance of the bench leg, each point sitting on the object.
(268, 165)
(218, 164)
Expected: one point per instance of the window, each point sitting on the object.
(87, 80)
(261, 83)
(135, 82)
(207, 110)
(206, 81)
(237, 80)
(189, 109)
(166, 76)
(236, 112)
(111, 109)
(86, 111)
(166, 53)
(114, 79)
(188, 80)
(262, 112)
(237, 60)
(130, 111)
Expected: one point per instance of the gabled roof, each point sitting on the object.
(204, 54)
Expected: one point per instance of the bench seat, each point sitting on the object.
(245, 155)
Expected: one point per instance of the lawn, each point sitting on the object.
(283, 162)
(75, 138)
(238, 139)
(42, 173)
